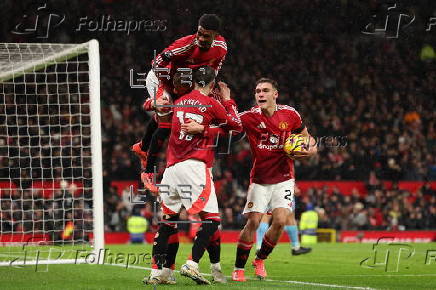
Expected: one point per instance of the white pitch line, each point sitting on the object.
(370, 275)
(321, 284)
(266, 280)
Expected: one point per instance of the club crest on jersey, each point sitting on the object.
(283, 125)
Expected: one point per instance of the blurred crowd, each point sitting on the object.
(63, 218)
(368, 100)
(380, 209)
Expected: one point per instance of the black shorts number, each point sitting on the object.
(288, 196)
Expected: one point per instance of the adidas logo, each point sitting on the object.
(261, 125)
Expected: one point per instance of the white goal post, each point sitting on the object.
(51, 184)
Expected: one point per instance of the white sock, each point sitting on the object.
(216, 266)
(155, 272)
(239, 269)
(166, 271)
(192, 264)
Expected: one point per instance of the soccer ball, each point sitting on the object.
(294, 143)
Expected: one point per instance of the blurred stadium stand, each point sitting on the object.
(372, 96)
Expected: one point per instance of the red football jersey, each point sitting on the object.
(266, 136)
(185, 53)
(182, 146)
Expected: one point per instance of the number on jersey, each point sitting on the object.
(195, 117)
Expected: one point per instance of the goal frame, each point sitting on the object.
(92, 48)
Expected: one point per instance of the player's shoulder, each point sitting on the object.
(182, 44)
(220, 43)
(287, 109)
(186, 39)
(253, 113)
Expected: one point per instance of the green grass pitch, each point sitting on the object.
(329, 266)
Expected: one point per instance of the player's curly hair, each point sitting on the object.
(274, 84)
(210, 22)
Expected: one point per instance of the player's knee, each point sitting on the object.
(279, 222)
(290, 221)
(252, 225)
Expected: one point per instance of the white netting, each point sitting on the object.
(45, 145)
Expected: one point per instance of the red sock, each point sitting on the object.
(265, 249)
(242, 253)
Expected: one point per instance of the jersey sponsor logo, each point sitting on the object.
(283, 125)
(270, 147)
(274, 139)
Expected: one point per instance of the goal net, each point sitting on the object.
(51, 208)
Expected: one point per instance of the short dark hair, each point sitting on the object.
(274, 84)
(210, 22)
(203, 75)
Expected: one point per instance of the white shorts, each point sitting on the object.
(188, 183)
(267, 197)
(152, 85)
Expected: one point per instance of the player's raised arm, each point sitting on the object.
(223, 94)
(174, 51)
(227, 118)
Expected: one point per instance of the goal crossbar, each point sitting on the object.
(6, 73)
